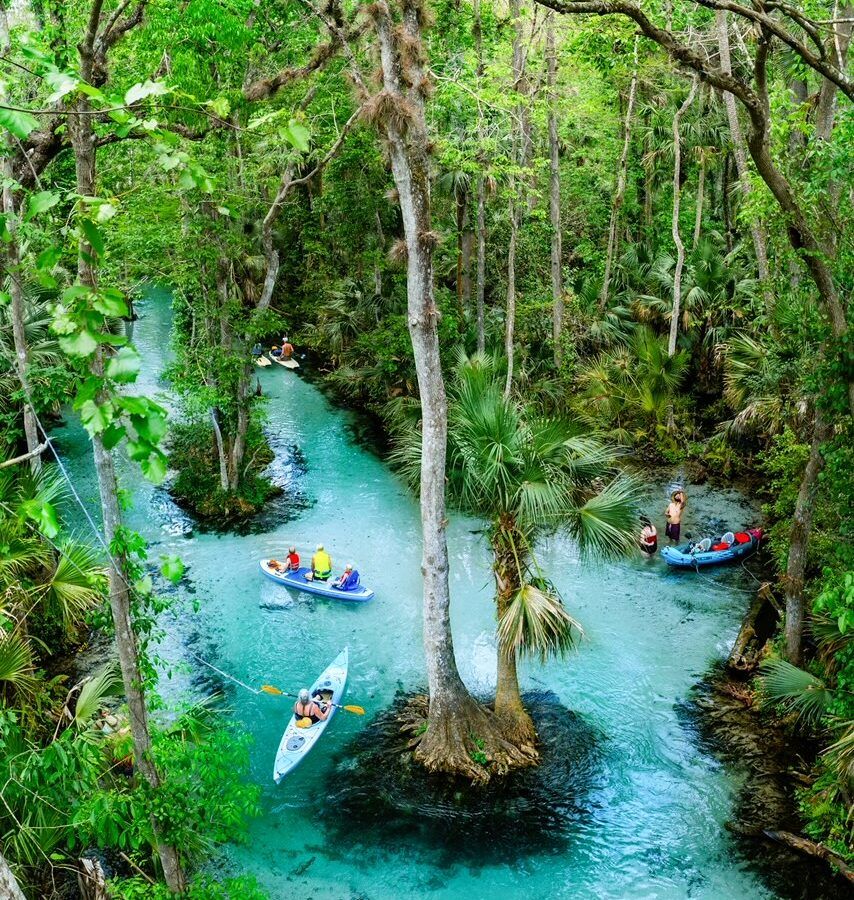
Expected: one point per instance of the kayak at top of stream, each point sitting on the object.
(654, 817)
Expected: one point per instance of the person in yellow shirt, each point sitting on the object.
(321, 564)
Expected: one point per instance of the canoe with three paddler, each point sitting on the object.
(301, 580)
(713, 551)
(302, 734)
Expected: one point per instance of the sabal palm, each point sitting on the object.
(529, 476)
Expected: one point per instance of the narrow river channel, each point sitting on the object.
(653, 820)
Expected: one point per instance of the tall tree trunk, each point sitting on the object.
(82, 136)
(18, 315)
(757, 227)
(511, 713)
(481, 192)
(510, 313)
(698, 217)
(462, 205)
(799, 537)
(840, 39)
(677, 236)
(220, 451)
(9, 889)
(378, 269)
(725, 202)
(481, 264)
(554, 194)
(647, 175)
(521, 143)
(620, 190)
(454, 716)
(238, 447)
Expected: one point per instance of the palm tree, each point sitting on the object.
(528, 476)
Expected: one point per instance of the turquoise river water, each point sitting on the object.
(653, 822)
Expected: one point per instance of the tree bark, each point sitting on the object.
(840, 39)
(799, 537)
(677, 236)
(510, 312)
(757, 227)
(481, 193)
(82, 137)
(698, 217)
(220, 450)
(454, 716)
(509, 710)
(9, 888)
(620, 191)
(554, 195)
(18, 316)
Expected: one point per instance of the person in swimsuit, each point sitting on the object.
(308, 707)
(648, 537)
(673, 514)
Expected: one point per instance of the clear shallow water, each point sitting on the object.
(653, 823)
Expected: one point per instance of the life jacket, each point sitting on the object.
(350, 582)
(293, 560)
(723, 545)
(742, 537)
(322, 564)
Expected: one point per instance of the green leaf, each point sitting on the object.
(79, 343)
(154, 468)
(5, 234)
(297, 135)
(124, 366)
(62, 83)
(39, 202)
(96, 418)
(172, 568)
(150, 427)
(44, 515)
(110, 302)
(17, 121)
(47, 259)
(144, 89)
(93, 235)
(112, 435)
(220, 106)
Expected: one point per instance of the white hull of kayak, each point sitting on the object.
(296, 742)
(262, 361)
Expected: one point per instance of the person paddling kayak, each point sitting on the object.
(308, 707)
(321, 564)
(348, 580)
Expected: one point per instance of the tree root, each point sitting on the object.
(466, 742)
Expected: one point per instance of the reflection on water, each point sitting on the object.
(639, 816)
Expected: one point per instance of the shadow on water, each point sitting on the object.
(384, 799)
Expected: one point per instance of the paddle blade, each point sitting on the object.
(269, 689)
(354, 709)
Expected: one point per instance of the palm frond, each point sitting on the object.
(605, 525)
(537, 624)
(106, 683)
(795, 689)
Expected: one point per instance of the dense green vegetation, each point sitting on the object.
(626, 234)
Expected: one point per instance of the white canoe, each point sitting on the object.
(262, 361)
(296, 742)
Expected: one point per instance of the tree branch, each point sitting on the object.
(25, 456)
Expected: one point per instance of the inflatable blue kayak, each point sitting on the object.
(299, 582)
(296, 742)
(703, 553)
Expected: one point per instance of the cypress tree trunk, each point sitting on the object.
(620, 190)
(799, 537)
(757, 227)
(481, 194)
(455, 718)
(9, 889)
(677, 237)
(554, 195)
(82, 136)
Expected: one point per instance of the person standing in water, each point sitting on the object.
(673, 514)
(648, 537)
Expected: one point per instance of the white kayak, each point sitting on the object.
(262, 361)
(297, 742)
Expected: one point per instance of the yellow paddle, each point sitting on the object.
(269, 689)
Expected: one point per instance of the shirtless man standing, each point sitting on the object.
(673, 514)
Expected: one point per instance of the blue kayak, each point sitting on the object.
(299, 582)
(694, 555)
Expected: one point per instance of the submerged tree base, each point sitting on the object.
(385, 795)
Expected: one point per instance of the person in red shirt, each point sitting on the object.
(293, 559)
